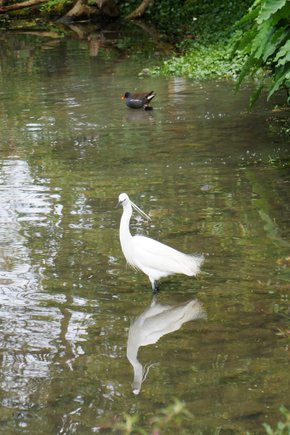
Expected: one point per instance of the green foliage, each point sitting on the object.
(171, 419)
(283, 427)
(203, 62)
(56, 7)
(206, 39)
(203, 20)
(266, 43)
(172, 17)
(261, 41)
(129, 425)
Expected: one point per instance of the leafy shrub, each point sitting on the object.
(283, 427)
(267, 44)
(204, 62)
(205, 43)
(169, 420)
(175, 417)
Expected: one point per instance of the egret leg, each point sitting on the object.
(154, 287)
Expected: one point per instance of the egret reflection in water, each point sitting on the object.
(156, 321)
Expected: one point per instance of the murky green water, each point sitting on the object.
(215, 180)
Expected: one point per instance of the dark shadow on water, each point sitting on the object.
(139, 116)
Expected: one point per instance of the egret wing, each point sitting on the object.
(150, 253)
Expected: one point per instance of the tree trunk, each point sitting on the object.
(81, 8)
(138, 12)
(22, 5)
(101, 7)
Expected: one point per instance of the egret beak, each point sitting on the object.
(141, 212)
(118, 204)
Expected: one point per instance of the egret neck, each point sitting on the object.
(125, 235)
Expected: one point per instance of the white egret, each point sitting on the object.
(156, 321)
(153, 258)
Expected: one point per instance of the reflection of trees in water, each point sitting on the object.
(37, 328)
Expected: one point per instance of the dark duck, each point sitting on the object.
(139, 100)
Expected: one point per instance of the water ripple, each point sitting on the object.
(33, 323)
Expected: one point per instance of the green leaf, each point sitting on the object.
(269, 8)
(281, 14)
(268, 428)
(261, 40)
(279, 80)
(283, 55)
(247, 69)
(252, 13)
(255, 95)
(284, 411)
(245, 43)
(277, 39)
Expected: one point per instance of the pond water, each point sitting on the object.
(215, 180)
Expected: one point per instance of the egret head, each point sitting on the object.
(124, 200)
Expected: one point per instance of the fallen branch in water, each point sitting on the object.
(22, 5)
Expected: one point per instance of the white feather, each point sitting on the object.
(153, 258)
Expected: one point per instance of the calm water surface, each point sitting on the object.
(214, 178)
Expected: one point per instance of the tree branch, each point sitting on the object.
(22, 5)
(140, 10)
(99, 7)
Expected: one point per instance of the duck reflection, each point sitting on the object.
(156, 321)
(140, 117)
